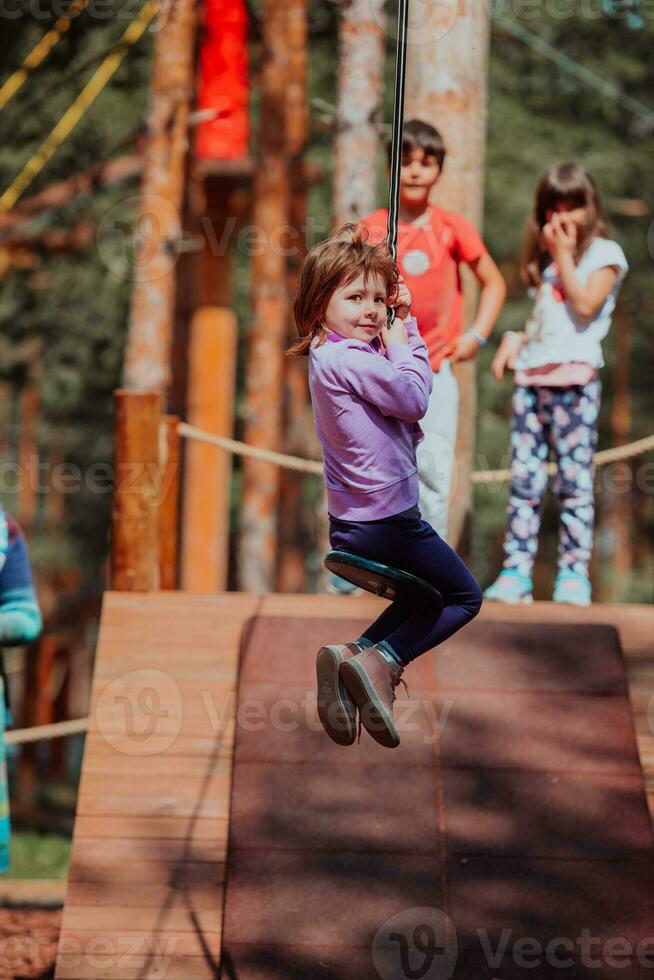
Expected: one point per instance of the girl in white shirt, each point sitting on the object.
(577, 272)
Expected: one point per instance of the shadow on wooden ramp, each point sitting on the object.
(514, 810)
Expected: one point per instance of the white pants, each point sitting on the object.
(436, 452)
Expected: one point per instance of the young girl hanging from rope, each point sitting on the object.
(577, 272)
(370, 386)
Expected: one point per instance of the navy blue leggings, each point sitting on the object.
(406, 541)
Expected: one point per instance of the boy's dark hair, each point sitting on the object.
(419, 135)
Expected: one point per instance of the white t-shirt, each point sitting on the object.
(555, 333)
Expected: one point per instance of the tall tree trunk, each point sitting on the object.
(28, 456)
(292, 537)
(361, 72)
(156, 236)
(270, 310)
(362, 41)
(446, 86)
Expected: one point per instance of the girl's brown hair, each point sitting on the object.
(570, 183)
(330, 264)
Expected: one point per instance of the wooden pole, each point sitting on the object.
(156, 237)
(270, 311)
(218, 208)
(446, 86)
(137, 488)
(207, 470)
(170, 462)
(360, 82)
(292, 531)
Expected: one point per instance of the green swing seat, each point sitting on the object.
(382, 580)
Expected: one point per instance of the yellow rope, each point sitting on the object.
(73, 115)
(313, 466)
(39, 53)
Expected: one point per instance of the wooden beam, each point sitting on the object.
(137, 483)
(207, 470)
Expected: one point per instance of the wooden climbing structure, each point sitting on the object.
(218, 828)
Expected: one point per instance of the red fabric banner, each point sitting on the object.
(224, 82)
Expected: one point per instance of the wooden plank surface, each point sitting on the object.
(149, 849)
(147, 872)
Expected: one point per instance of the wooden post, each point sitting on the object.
(446, 86)
(270, 311)
(137, 488)
(218, 208)
(207, 470)
(170, 462)
(156, 237)
(292, 531)
(361, 67)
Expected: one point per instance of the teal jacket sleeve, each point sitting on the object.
(20, 617)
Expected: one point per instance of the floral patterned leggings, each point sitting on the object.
(563, 420)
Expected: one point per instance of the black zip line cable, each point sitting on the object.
(396, 138)
(398, 123)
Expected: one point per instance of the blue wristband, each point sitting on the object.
(478, 337)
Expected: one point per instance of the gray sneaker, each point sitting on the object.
(336, 709)
(371, 682)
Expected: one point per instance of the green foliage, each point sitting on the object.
(63, 318)
(39, 856)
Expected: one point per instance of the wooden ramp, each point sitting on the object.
(146, 885)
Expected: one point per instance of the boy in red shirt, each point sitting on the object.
(432, 245)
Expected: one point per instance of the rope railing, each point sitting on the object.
(37, 733)
(253, 452)
(76, 726)
(615, 455)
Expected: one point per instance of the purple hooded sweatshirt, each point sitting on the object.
(367, 403)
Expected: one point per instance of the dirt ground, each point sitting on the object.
(28, 942)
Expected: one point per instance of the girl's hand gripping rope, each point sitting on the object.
(400, 303)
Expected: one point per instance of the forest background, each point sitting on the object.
(64, 300)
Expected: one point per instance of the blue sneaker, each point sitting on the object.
(572, 588)
(340, 586)
(512, 587)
